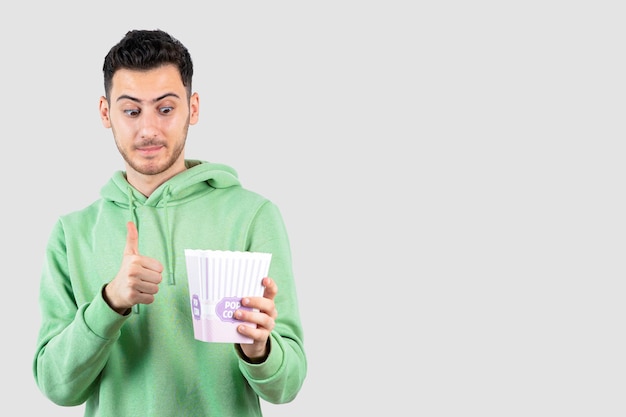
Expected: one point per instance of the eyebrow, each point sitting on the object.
(135, 99)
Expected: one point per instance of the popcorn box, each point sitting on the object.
(218, 280)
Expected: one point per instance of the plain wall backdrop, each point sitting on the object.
(451, 175)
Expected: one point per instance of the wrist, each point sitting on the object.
(123, 311)
(254, 359)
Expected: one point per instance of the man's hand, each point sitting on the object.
(138, 278)
(264, 320)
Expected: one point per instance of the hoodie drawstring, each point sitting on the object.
(168, 239)
(131, 205)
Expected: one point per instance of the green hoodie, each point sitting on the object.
(148, 363)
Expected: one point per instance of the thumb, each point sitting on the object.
(132, 240)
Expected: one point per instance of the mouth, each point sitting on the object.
(149, 150)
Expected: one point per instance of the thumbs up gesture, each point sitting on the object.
(138, 279)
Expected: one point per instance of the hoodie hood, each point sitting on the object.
(197, 178)
(174, 191)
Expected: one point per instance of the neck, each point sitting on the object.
(147, 183)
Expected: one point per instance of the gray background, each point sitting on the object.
(451, 175)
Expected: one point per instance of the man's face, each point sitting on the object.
(149, 114)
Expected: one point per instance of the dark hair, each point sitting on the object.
(144, 50)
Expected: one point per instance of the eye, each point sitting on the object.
(132, 112)
(166, 110)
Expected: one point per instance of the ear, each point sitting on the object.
(104, 112)
(194, 108)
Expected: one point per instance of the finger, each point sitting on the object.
(151, 270)
(132, 240)
(259, 319)
(147, 287)
(271, 289)
(262, 304)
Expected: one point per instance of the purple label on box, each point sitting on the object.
(226, 308)
(195, 307)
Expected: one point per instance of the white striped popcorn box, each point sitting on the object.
(218, 280)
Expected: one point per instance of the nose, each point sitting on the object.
(149, 125)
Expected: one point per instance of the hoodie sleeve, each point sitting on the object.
(279, 379)
(74, 342)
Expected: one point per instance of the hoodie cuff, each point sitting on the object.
(267, 368)
(102, 319)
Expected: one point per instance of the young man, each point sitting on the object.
(116, 330)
